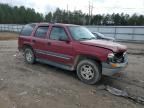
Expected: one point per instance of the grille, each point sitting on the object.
(119, 57)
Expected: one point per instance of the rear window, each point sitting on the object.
(27, 30)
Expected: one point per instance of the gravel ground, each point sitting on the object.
(43, 86)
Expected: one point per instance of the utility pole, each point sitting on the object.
(67, 7)
(90, 7)
(92, 10)
(89, 12)
(68, 14)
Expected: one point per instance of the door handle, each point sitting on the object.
(48, 43)
(34, 41)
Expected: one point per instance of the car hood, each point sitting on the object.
(115, 47)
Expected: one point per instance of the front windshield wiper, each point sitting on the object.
(83, 38)
(92, 38)
(87, 38)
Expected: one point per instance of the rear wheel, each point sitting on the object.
(29, 55)
(88, 71)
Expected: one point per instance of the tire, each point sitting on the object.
(29, 56)
(88, 71)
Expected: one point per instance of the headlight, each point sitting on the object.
(110, 55)
(125, 53)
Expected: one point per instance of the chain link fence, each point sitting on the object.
(11, 28)
(122, 33)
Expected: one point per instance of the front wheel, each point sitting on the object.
(88, 71)
(29, 55)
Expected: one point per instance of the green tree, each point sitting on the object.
(48, 17)
(22, 15)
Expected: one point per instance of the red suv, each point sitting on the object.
(72, 47)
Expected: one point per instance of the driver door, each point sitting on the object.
(60, 47)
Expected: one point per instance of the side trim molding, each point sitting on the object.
(63, 56)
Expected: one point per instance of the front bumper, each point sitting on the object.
(110, 69)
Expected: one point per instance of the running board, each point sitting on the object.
(62, 66)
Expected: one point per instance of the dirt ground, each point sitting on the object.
(43, 86)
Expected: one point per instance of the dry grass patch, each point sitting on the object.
(8, 36)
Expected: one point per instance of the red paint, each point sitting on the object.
(95, 48)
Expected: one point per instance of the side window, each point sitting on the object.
(27, 30)
(41, 32)
(58, 33)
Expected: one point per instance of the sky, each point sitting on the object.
(99, 6)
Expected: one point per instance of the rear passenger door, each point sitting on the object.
(39, 41)
(59, 46)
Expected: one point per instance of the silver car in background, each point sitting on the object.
(101, 36)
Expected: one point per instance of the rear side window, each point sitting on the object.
(27, 29)
(41, 32)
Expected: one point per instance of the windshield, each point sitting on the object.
(81, 33)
